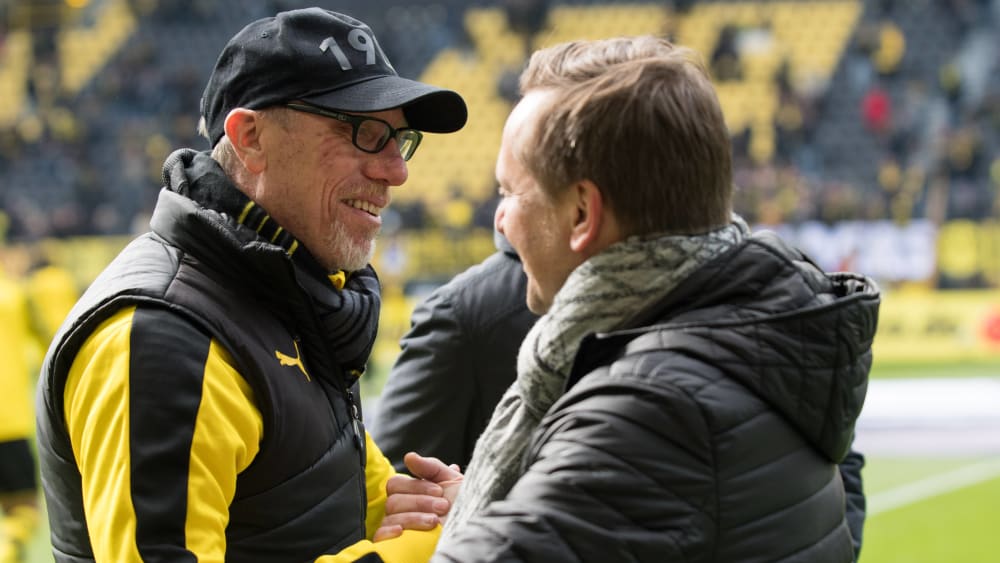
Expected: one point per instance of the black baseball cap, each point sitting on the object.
(324, 58)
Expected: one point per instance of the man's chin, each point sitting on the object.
(356, 257)
(536, 304)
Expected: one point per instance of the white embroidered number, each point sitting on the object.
(362, 42)
(359, 40)
(329, 44)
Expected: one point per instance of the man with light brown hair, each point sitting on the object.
(691, 386)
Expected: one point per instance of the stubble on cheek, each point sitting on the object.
(347, 245)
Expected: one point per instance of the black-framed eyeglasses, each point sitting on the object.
(369, 134)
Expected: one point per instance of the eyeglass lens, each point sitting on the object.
(372, 135)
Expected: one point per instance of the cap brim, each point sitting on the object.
(427, 108)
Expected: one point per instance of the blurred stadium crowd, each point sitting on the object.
(861, 112)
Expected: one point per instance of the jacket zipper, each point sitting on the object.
(356, 438)
(352, 408)
(359, 443)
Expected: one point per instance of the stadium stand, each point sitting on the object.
(840, 109)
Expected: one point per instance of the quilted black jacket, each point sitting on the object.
(711, 432)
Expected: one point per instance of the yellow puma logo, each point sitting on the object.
(286, 360)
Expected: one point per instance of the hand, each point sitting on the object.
(420, 502)
(433, 470)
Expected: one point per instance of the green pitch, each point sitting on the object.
(40, 551)
(976, 368)
(938, 510)
(959, 525)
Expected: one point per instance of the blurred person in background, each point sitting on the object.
(457, 360)
(18, 477)
(30, 311)
(52, 292)
(691, 386)
(201, 401)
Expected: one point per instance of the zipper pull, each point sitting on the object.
(355, 421)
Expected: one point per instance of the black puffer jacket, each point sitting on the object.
(711, 433)
(198, 276)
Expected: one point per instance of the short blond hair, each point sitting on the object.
(639, 117)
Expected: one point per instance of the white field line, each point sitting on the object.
(932, 486)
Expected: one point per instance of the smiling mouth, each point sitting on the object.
(365, 206)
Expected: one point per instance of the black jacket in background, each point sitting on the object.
(457, 359)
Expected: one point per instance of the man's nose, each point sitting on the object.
(388, 165)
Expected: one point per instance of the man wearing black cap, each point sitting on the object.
(201, 403)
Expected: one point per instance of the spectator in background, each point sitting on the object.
(789, 128)
(965, 163)
(52, 290)
(891, 48)
(30, 311)
(682, 6)
(725, 62)
(876, 110)
(526, 18)
(860, 66)
(457, 212)
(201, 402)
(951, 83)
(658, 411)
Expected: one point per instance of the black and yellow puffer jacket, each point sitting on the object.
(191, 407)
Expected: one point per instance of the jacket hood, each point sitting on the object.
(798, 338)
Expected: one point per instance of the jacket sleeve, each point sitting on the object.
(161, 424)
(426, 403)
(377, 472)
(412, 547)
(850, 473)
(586, 487)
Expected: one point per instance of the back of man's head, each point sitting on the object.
(638, 117)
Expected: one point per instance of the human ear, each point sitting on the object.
(589, 217)
(243, 128)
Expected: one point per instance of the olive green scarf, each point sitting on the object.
(598, 296)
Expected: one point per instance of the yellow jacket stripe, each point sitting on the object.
(152, 494)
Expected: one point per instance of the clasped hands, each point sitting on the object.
(422, 501)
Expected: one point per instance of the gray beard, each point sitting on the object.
(351, 256)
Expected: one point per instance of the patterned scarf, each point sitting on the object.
(598, 296)
(349, 316)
